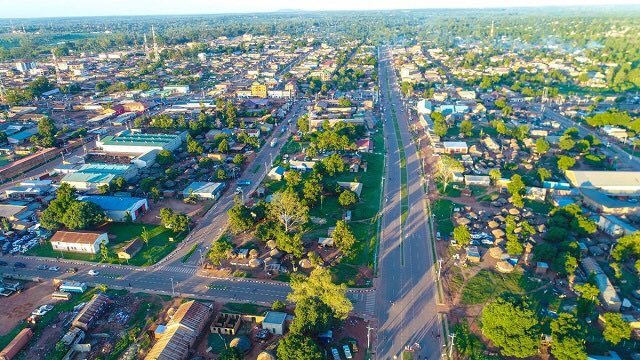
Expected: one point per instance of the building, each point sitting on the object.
(135, 142)
(86, 242)
(608, 294)
(119, 208)
(455, 147)
(17, 344)
(259, 90)
(130, 249)
(477, 180)
(277, 173)
(615, 226)
(603, 203)
(204, 190)
(617, 183)
(181, 332)
(91, 176)
(274, 322)
(90, 312)
(226, 324)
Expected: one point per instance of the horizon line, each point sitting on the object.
(293, 11)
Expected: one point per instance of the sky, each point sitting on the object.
(60, 8)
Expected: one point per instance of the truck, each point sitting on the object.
(73, 286)
(274, 142)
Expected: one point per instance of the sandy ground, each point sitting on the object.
(18, 307)
(153, 215)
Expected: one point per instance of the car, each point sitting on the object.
(238, 190)
(487, 241)
(244, 182)
(3, 263)
(93, 272)
(474, 242)
(38, 312)
(42, 267)
(54, 268)
(72, 270)
(47, 307)
(20, 265)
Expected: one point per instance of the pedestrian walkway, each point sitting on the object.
(364, 302)
(179, 269)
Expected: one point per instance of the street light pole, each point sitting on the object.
(369, 328)
(173, 291)
(452, 336)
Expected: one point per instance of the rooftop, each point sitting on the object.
(128, 138)
(76, 237)
(275, 317)
(112, 202)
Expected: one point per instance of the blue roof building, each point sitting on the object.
(117, 207)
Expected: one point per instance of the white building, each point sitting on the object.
(86, 242)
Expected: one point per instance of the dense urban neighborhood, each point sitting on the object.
(416, 184)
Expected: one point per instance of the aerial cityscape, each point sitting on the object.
(358, 180)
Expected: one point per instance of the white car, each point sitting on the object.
(42, 310)
(93, 272)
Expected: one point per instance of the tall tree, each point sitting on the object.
(287, 208)
(320, 285)
(511, 324)
(296, 346)
(343, 237)
(312, 316)
(446, 168)
(615, 328)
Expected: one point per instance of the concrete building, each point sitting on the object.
(259, 90)
(135, 142)
(117, 207)
(90, 312)
(274, 321)
(615, 226)
(86, 242)
(618, 183)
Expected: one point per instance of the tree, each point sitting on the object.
(145, 235)
(511, 324)
(311, 190)
(566, 143)
(565, 162)
(440, 127)
(565, 264)
(231, 114)
(293, 178)
(238, 159)
(296, 346)
(344, 102)
(180, 223)
(516, 185)
(240, 218)
(347, 198)
(446, 168)
(231, 353)
(286, 208)
(312, 317)
(165, 157)
(290, 243)
(320, 285)
(615, 328)
(223, 147)
(466, 127)
(219, 251)
(542, 146)
(343, 237)
(568, 334)
(104, 251)
(513, 245)
(193, 147)
(333, 164)
(543, 174)
(278, 305)
(303, 123)
(495, 175)
(462, 235)
(46, 132)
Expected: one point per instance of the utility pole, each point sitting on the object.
(439, 268)
(155, 43)
(173, 291)
(369, 328)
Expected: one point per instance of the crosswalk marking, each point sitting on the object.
(370, 303)
(179, 269)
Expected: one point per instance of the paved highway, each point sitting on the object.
(406, 289)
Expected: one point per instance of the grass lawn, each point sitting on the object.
(344, 273)
(450, 191)
(442, 210)
(158, 247)
(242, 308)
(4, 160)
(488, 284)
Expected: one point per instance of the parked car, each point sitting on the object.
(72, 270)
(93, 272)
(20, 265)
(3, 263)
(244, 182)
(54, 268)
(42, 267)
(487, 241)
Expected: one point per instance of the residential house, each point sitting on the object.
(203, 190)
(274, 322)
(130, 250)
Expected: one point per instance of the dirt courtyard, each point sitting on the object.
(18, 307)
(153, 215)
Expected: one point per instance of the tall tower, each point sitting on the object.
(155, 43)
(3, 90)
(492, 29)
